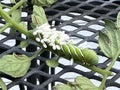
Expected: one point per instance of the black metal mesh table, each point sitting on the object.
(81, 19)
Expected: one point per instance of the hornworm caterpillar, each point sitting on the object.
(85, 56)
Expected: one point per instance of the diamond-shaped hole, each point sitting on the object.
(101, 11)
(76, 13)
(72, 3)
(66, 18)
(70, 76)
(102, 59)
(58, 69)
(116, 65)
(24, 14)
(69, 28)
(96, 27)
(75, 40)
(85, 33)
(51, 13)
(80, 22)
(112, 88)
(96, 3)
(64, 61)
(111, 6)
(79, 67)
(87, 7)
(90, 17)
(10, 42)
(116, 2)
(95, 82)
(2, 36)
(16, 87)
(118, 80)
(114, 15)
(61, 8)
(92, 45)
(113, 74)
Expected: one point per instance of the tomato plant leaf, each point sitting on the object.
(85, 84)
(80, 83)
(43, 2)
(38, 16)
(16, 15)
(118, 20)
(2, 85)
(62, 87)
(109, 41)
(15, 65)
(24, 44)
(52, 63)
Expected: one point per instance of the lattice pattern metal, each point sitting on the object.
(81, 19)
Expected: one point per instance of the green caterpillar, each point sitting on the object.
(85, 56)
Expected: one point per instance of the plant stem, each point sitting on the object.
(16, 6)
(12, 22)
(102, 86)
(98, 70)
(112, 63)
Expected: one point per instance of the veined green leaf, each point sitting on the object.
(62, 87)
(52, 63)
(85, 84)
(24, 43)
(2, 85)
(12, 1)
(110, 40)
(16, 15)
(15, 65)
(43, 2)
(38, 16)
(80, 83)
(118, 20)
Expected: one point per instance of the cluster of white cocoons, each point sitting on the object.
(48, 36)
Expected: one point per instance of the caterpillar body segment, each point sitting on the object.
(85, 56)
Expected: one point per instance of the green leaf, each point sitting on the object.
(62, 87)
(80, 83)
(23, 24)
(15, 65)
(38, 16)
(12, 1)
(16, 15)
(118, 20)
(85, 84)
(109, 41)
(24, 44)
(2, 85)
(52, 63)
(43, 2)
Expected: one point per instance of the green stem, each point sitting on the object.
(112, 63)
(102, 86)
(4, 27)
(12, 22)
(98, 70)
(16, 6)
